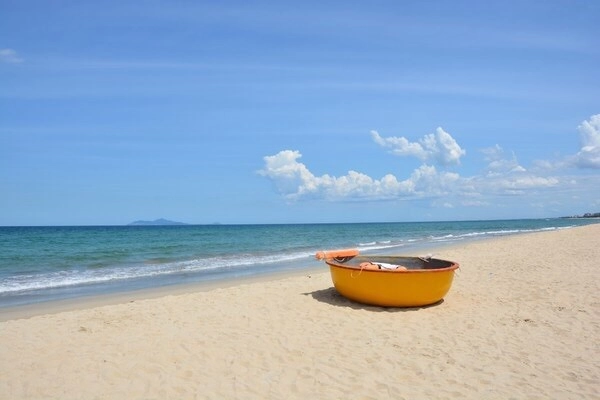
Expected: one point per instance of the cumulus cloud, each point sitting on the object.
(589, 134)
(439, 147)
(498, 164)
(9, 56)
(428, 181)
(502, 176)
(294, 180)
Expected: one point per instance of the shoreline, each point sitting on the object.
(521, 320)
(113, 298)
(125, 296)
(88, 262)
(83, 302)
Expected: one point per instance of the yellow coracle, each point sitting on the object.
(391, 281)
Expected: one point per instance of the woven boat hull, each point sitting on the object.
(424, 282)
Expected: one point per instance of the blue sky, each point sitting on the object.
(285, 112)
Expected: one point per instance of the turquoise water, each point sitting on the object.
(45, 263)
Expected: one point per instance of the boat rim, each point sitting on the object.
(453, 266)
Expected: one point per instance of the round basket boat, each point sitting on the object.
(416, 282)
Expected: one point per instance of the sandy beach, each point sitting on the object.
(521, 321)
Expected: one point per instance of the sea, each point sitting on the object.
(40, 264)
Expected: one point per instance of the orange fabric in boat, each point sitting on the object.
(322, 255)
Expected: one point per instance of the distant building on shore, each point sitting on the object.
(586, 215)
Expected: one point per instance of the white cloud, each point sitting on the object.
(484, 187)
(498, 164)
(474, 203)
(10, 56)
(526, 182)
(428, 181)
(287, 174)
(439, 147)
(502, 176)
(294, 180)
(589, 133)
(545, 165)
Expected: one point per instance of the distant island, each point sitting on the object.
(160, 221)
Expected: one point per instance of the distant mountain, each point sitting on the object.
(160, 221)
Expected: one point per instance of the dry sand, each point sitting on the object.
(520, 322)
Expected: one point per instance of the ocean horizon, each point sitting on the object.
(45, 263)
